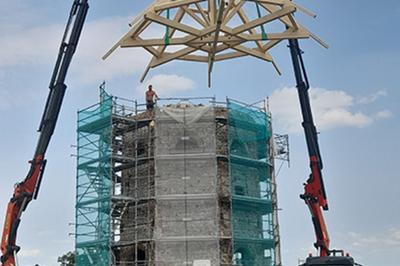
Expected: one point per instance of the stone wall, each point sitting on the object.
(181, 181)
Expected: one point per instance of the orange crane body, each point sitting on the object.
(28, 189)
(314, 190)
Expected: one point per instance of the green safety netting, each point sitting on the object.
(93, 184)
(252, 223)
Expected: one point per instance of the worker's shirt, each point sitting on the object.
(150, 95)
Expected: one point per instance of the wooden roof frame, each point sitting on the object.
(214, 37)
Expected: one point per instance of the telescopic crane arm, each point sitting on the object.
(28, 189)
(314, 190)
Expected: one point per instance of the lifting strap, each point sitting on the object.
(263, 33)
(166, 37)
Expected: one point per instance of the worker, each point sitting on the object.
(150, 95)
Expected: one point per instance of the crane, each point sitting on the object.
(28, 189)
(314, 190)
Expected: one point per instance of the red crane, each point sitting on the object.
(314, 190)
(28, 189)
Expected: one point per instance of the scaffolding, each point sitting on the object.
(132, 198)
(115, 183)
(189, 184)
(253, 233)
(94, 183)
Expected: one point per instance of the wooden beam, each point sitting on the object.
(193, 40)
(174, 4)
(245, 20)
(263, 20)
(319, 40)
(211, 11)
(233, 11)
(272, 2)
(150, 49)
(146, 71)
(132, 32)
(216, 35)
(203, 13)
(167, 57)
(304, 10)
(173, 24)
(253, 52)
(194, 16)
(286, 21)
(195, 58)
(299, 34)
(184, 40)
(220, 48)
(270, 44)
(128, 35)
(231, 5)
(287, 2)
(221, 57)
(178, 17)
(293, 21)
(228, 56)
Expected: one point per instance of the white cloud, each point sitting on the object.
(371, 245)
(384, 114)
(382, 241)
(98, 37)
(37, 47)
(29, 253)
(331, 109)
(372, 97)
(165, 85)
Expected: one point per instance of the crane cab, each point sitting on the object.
(331, 261)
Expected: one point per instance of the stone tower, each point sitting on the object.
(186, 184)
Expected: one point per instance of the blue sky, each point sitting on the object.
(355, 98)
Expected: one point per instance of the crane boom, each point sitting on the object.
(314, 190)
(28, 189)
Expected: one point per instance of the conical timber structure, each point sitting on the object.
(214, 30)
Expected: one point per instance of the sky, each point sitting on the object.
(354, 94)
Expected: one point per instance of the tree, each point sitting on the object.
(67, 259)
